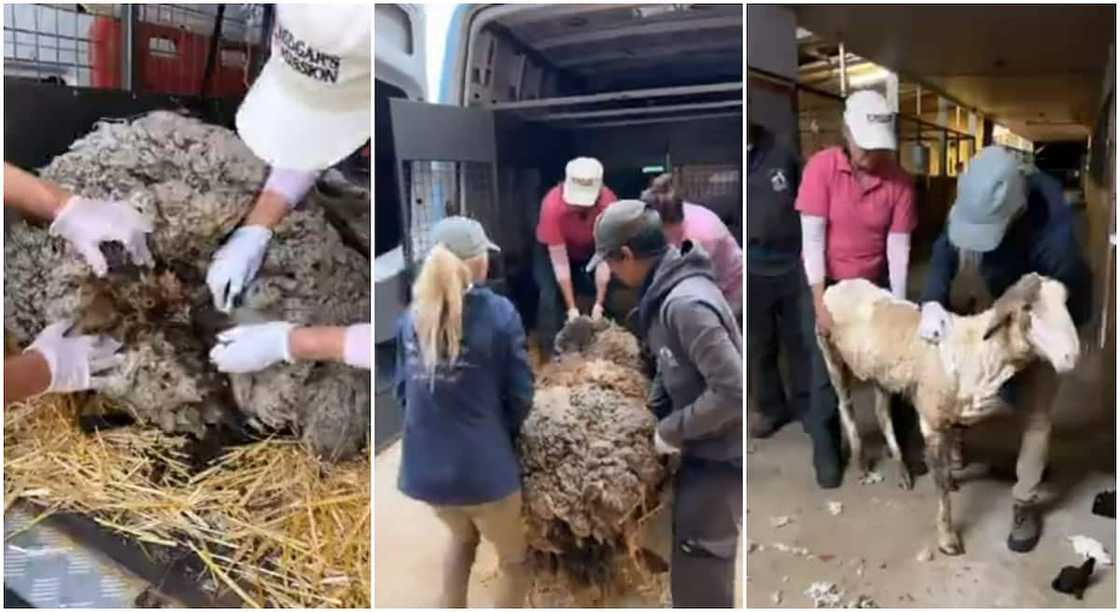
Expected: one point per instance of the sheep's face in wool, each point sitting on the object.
(1034, 313)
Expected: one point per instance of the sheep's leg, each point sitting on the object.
(937, 455)
(841, 379)
(883, 413)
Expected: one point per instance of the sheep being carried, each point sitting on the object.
(955, 383)
(590, 471)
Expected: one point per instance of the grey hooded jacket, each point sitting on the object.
(692, 333)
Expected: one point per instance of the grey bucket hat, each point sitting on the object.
(989, 196)
(617, 224)
(464, 237)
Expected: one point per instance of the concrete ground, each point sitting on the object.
(871, 548)
(409, 543)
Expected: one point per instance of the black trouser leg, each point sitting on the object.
(762, 347)
(822, 420)
(789, 315)
(550, 312)
(707, 515)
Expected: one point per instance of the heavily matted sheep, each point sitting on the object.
(954, 383)
(196, 182)
(590, 471)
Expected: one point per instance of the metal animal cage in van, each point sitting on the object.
(212, 50)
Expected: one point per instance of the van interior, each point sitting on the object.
(645, 89)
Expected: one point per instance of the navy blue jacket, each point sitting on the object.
(1041, 240)
(461, 426)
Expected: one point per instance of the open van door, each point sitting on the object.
(399, 73)
(446, 165)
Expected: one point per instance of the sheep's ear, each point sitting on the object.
(999, 319)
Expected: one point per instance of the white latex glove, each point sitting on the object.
(74, 360)
(87, 223)
(236, 263)
(596, 312)
(251, 348)
(573, 313)
(661, 446)
(934, 325)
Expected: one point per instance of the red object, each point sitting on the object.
(860, 212)
(572, 226)
(169, 60)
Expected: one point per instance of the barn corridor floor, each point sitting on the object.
(871, 548)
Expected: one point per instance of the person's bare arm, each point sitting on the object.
(25, 375)
(561, 269)
(348, 345)
(32, 195)
(602, 280)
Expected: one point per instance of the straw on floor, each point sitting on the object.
(268, 520)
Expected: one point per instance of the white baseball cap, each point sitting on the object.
(583, 178)
(310, 106)
(870, 120)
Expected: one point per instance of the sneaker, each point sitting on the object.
(1026, 528)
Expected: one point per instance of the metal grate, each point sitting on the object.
(717, 186)
(48, 43)
(58, 42)
(439, 189)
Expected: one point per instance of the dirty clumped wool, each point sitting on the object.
(196, 182)
(590, 472)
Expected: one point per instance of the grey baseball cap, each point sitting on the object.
(989, 196)
(618, 224)
(462, 236)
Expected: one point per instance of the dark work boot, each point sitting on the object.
(1026, 528)
(826, 461)
(763, 426)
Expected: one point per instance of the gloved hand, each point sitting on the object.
(87, 223)
(74, 360)
(251, 348)
(661, 446)
(236, 263)
(934, 325)
(573, 313)
(596, 312)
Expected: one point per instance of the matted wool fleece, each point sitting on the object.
(590, 472)
(196, 182)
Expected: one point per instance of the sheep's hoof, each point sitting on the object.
(905, 480)
(950, 545)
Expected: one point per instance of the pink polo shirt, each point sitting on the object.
(859, 212)
(704, 227)
(572, 226)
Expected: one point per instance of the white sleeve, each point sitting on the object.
(292, 185)
(812, 247)
(558, 254)
(357, 347)
(898, 261)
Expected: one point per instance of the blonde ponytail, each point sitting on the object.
(437, 306)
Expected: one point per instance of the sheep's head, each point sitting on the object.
(1033, 312)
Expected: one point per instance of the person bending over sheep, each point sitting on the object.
(300, 123)
(690, 328)
(1002, 226)
(857, 213)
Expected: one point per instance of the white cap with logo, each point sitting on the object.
(870, 120)
(310, 106)
(583, 179)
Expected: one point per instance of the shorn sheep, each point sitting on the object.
(874, 339)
